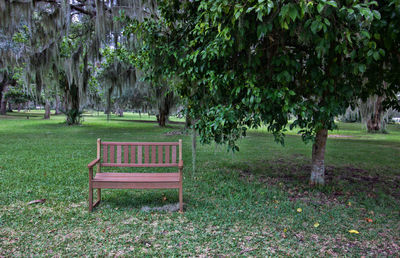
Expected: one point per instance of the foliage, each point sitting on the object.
(74, 116)
(383, 71)
(16, 96)
(253, 63)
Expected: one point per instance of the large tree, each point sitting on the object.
(250, 63)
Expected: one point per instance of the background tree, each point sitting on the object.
(383, 73)
(63, 37)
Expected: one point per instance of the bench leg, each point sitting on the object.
(180, 199)
(98, 195)
(90, 198)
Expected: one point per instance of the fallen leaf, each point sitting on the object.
(299, 210)
(352, 231)
(368, 220)
(316, 224)
(349, 203)
(37, 201)
(285, 230)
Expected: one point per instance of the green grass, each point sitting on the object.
(242, 204)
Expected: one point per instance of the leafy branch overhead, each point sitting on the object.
(279, 63)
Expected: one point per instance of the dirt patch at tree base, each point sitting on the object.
(295, 175)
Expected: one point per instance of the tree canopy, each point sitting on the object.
(279, 63)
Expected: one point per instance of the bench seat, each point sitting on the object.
(136, 180)
(136, 177)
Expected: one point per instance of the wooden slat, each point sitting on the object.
(167, 154)
(180, 149)
(139, 154)
(141, 143)
(126, 154)
(98, 153)
(153, 154)
(137, 177)
(119, 150)
(160, 154)
(112, 156)
(98, 148)
(136, 185)
(133, 154)
(173, 154)
(139, 165)
(105, 154)
(146, 154)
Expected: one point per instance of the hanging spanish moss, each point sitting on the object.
(372, 114)
(40, 28)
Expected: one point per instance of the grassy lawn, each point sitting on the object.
(243, 204)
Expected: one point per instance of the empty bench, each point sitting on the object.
(136, 154)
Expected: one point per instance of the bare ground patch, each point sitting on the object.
(297, 173)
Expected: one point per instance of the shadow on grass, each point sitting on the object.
(136, 199)
(340, 181)
(148, 121)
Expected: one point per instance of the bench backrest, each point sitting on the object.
(139, 154)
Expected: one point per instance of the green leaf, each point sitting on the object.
(293, 13)
(320, 7)
(377, 14)
(376, 55)
(332, 3)
(366, 34)
(362, 68)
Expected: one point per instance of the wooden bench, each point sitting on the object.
(136, 154)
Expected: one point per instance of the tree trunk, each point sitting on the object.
(188, 121)
(57, 111)
(164, 109)
(318, 158)
(108, 108)
(374, 123)
(120, 112)
(10, 108)
(161, 118)
(193, 148)
(47, 110)
(3, 104)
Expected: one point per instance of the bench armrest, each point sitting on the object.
(94, 162)
(180, 165)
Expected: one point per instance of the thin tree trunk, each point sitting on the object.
(10, 109)
(318, 158)
(193, 148)
(47, 110)
(163, 110)
(188, 121)
(108, 108)
(57, 111)
(19, 107)
(3, 104)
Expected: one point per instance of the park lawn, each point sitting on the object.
(247, 203)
